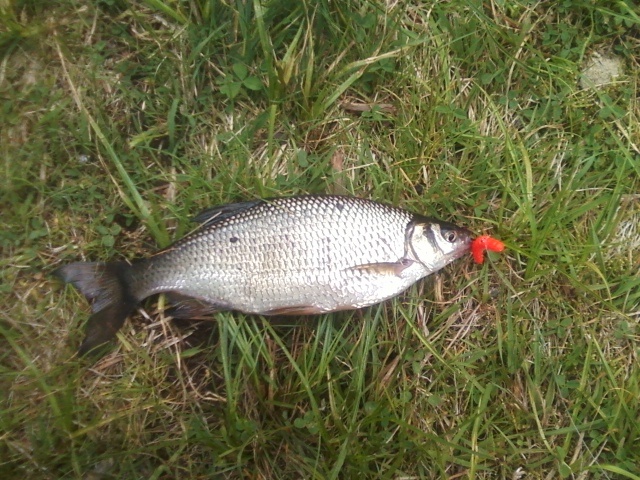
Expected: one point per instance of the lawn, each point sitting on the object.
(121, 120)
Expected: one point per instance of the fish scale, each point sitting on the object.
(300, 251)
(295, 255)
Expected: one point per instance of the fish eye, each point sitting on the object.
(450, 236)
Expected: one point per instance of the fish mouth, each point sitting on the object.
(465, 247)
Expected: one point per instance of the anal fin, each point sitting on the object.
(295, 310)
(306, 310)
(190, 308)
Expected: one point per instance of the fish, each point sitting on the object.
(299, 255)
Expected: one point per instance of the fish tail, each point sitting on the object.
(107, 287)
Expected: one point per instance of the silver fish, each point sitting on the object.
(295, 256)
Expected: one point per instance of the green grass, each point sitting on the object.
(121, 120)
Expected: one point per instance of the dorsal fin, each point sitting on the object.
(222, 212)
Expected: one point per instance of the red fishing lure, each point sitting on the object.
(482, 243)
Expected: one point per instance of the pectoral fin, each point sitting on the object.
(384, 268)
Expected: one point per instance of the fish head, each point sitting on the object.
(435, 244)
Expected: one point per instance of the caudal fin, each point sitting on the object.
(106, 286)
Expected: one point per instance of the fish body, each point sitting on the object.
(295, 255)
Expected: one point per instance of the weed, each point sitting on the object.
(121, 120)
